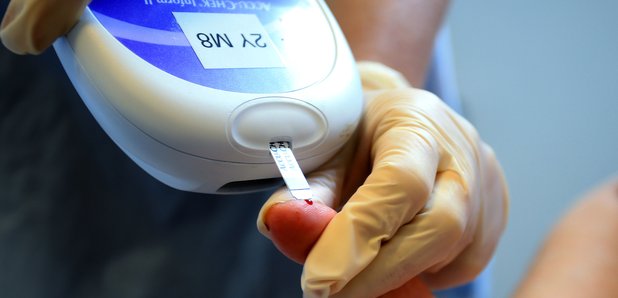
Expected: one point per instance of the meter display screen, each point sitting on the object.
(240, 46)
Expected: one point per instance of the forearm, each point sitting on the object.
(580, 258)
(398, 33)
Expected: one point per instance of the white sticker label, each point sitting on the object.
(223, 40)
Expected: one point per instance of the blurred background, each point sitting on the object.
(539, 79)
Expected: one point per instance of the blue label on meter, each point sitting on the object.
(241, 46)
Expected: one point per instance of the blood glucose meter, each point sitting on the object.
(196, 91)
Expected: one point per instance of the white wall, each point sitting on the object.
(539, 79)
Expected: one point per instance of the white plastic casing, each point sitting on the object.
(202, 139)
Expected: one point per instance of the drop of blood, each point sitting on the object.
(310, 202)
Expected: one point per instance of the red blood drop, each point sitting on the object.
(295, 226)
(310, 202)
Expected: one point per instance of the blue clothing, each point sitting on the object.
(80, 219)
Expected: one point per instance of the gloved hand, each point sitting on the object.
(419, 194)
(31, 26)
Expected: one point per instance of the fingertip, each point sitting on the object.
(9, 14)
(23, 32)
(10, 39)
(294, 226)
(282, 195)
(30, 27)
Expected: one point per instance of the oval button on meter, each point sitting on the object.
(256, 123)
(195, 91)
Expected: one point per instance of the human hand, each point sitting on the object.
(31, 26)
(421, 194)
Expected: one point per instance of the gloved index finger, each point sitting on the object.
(405, 162)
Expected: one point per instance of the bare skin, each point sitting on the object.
(399, 34)
(295, 226)
(580, 257)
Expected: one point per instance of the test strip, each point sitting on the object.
(290, 171)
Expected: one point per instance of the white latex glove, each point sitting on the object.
(421, 194)
(31, 26)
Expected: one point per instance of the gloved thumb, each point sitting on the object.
(31, 26)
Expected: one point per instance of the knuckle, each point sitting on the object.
(490, 166)
(407, 179)
(449, 223)
(489, 153)
(472, 268)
